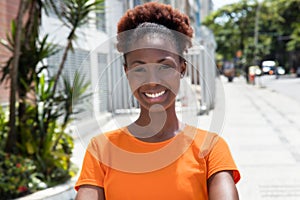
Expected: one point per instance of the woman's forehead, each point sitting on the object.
(151, 55)
(155, 43)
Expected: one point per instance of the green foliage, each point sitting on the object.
(18, 176)
(294, 43)
(289, 12)
(44, 153)
(75, 13)
(276, 23)
(33, 54)
(75, 91)
(35, 168)
(42, 136)
(3, 127)
(43, 165)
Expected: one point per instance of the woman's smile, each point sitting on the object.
(158, 96)
(155, 95)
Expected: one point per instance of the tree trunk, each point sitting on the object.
(31, 35)
(10, 143)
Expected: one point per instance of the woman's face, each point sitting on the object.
(154, 72)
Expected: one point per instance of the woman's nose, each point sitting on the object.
(152, 77)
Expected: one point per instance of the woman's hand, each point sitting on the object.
(90, 192)
(221, 186)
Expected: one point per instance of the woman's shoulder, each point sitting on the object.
(204, 140)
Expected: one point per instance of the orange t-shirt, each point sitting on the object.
(178, 168)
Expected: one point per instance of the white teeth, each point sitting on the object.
(155, 95)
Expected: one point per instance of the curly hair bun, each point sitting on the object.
(156, 13)
(143, 16)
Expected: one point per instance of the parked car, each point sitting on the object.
(280, 70)
(268, 67)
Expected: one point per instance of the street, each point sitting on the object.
(287, 85)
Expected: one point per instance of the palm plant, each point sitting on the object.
(73, 14)
(27, 51)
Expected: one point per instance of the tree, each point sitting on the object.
(25, 39)
(260, 29)
(235, 28)
(232, 25)
(14, 77)
(286, 45)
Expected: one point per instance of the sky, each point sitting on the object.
(220, 3)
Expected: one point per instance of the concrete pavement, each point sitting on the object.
(263, 131)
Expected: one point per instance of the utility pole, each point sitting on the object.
(256, 33)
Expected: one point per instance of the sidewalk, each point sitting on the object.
(262, 130)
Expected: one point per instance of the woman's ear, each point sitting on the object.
(125, 64)
(125, 67)
(182, 67)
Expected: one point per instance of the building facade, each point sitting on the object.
(8, 11)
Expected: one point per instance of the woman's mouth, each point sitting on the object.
(155, 95)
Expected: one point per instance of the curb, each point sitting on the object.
(61, 192)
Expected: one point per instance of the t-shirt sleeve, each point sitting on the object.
(220, 159)
(92, 172)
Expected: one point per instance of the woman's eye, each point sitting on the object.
(139, 69)
(165, 67)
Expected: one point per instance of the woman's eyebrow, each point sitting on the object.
(166, 58)
(162, 60)
(137, 62)
(159, 61)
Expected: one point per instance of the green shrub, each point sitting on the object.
(3, 127)
(41, 162)
(18, 176)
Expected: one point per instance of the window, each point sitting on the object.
(139, 2)
(103, 82)
(100, 19)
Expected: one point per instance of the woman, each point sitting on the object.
(157, 156)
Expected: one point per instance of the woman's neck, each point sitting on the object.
(155, 126)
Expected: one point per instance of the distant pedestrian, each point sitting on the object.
(157, 156)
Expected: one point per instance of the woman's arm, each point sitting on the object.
(221, 186)
(90, 192)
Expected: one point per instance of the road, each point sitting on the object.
(287, 85)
